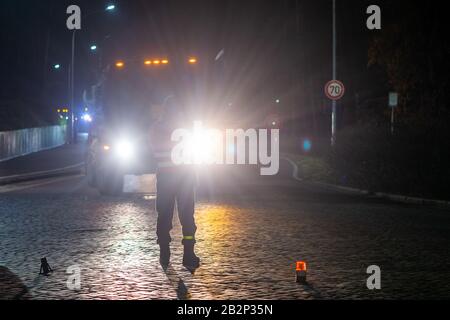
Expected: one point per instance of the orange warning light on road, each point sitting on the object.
(301, 266)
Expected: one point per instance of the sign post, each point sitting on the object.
(393, 103)
(334, 102)
(334, 90)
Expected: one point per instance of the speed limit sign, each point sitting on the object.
(334, 90)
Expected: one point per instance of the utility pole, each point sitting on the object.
(334, 102)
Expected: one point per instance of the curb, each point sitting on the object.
(70, 170)
(381, 195)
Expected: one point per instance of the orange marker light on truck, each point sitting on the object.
(192, 60)
(120, 64)
(148, 62)
(165, 61)
(157, 62)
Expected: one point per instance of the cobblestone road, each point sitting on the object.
(249, 239)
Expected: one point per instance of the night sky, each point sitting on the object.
(273, 48)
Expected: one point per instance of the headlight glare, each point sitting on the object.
(124, 149)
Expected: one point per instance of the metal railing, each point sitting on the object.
(22, 142)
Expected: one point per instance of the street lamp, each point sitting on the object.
(109, 8)
(58, 67)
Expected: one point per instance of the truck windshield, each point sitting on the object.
(129, 95)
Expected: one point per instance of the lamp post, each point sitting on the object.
(58, 67)
(98, 49)
(72, 138)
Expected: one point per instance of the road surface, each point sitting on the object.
(251, 231)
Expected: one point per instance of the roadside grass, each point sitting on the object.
(312, 168)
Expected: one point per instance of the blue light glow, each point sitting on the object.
(307, 145)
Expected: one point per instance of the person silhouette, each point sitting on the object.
(175, 185)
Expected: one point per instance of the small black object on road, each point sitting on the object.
(45, 267)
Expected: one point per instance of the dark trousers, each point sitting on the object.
(175, 185)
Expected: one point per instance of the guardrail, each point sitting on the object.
(18, 143)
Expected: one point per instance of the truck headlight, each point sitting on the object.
(124, 149)
(202, 148)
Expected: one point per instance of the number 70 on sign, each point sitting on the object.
(334, 90)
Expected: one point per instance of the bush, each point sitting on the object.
(415, 160)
